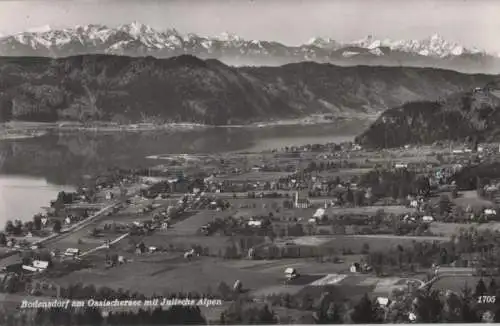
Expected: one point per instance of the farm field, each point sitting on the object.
(304, 266)
(370, 210)
(193, 223)
(213, 243)
(355, 285)
(344, 173)
(458, 283)
(356, 242)
(173, 274)
(255, 176)
(470, 198)
(449, 229)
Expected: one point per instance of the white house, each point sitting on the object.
(383, 301)
(355, 268)
(72, 252)
(255, 223)
(41, 264)
(301, 201)
(490, 212)
(237, 286)
(290, 273)
(320, 212)
(427, 218)
(38, 266)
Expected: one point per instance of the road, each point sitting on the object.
(123, 236)
(445, 272)
(391, 236)
(80, 225)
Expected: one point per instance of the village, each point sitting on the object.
(287, 223)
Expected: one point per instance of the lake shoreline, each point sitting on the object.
(26, 129)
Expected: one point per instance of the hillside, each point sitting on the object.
(463, 116)
(188, 89)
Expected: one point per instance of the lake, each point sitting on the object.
(21, 196)
(33, 170)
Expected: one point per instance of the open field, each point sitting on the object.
(458, 283)
(254, 176)
(277, 289)
(369, 210)
(304, 265)
(173, 274)
(215, 244)
(470, 198)
(449, 229)
(259, 202)
(343, 173)
(356, 242)
(350, 286)
(190, 225)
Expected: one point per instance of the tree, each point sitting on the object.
(329, 312)
(266, 316)
(224, 290)
(3, 239)
(428, 307)
(29, 226)
(492, 288)
(444, 205)
(456, 309)
(9, 227)
(57, 226)
(423, 186)
(18, 227)
(365, 312)
(37, 222)
(480, 288)
(349, 196)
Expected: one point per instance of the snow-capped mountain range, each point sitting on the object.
(137, 39)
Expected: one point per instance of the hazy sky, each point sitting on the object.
(470, 22)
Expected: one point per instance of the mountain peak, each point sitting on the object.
(436, 37)
(136, 28)
(138, 39)
(40, 29)
(323, 42)
(227, 37)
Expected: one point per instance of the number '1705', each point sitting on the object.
(486, 299)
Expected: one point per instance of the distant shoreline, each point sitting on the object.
(24, 129)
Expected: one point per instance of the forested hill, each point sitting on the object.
(471, 115)
(188, 89)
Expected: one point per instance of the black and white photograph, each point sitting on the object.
(235, 162)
